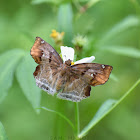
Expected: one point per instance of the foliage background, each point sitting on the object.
(113, 30)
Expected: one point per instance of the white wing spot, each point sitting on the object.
(103, 66)
(42, 41)
(43, 55)
(91, 75)
(95, 73)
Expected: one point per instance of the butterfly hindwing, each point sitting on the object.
(75, 88)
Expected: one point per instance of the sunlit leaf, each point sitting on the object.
(24, 74)
(100, 113)
(65, 17)
(122, 26)
(8, 63)
(3, 135)
(123, 50)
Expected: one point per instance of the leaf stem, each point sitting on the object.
(77, 122)
(61, 115)
(87, 128)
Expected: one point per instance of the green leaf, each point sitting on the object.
(113, 77)
(91, 3)
(105, 109)
(122, 50)
(24, 74)
(3, 135)
(100, 113)
(65, 17)
(122, 26)
(8, 63)
(46, 1)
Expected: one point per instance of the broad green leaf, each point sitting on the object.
(46, 1)
(8, 63)
(105, 109)
(122, 26)
(123, 50)
(3, 135)
(65, 17)
(24, 74)
(100, 113)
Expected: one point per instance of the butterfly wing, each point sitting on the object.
(93, 73)
(47, 72)
(71, 82)
(80, 78)
(74, 88)
(44, 52)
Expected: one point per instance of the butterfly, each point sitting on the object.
(70, 82)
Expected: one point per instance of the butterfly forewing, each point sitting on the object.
(93, 73)
(48, 70)
(43, 51)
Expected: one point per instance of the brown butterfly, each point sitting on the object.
(71, 82)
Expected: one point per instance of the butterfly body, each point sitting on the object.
(71, 82)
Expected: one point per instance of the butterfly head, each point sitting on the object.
(68, 62)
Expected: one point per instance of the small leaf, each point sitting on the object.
(100, 114)
(8, 63)
(123, 50)
(105, 109)
(24, 74)
(128, 22)
(3, 135)
(102, 110)
(65, 17)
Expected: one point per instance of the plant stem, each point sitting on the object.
(77, 119)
